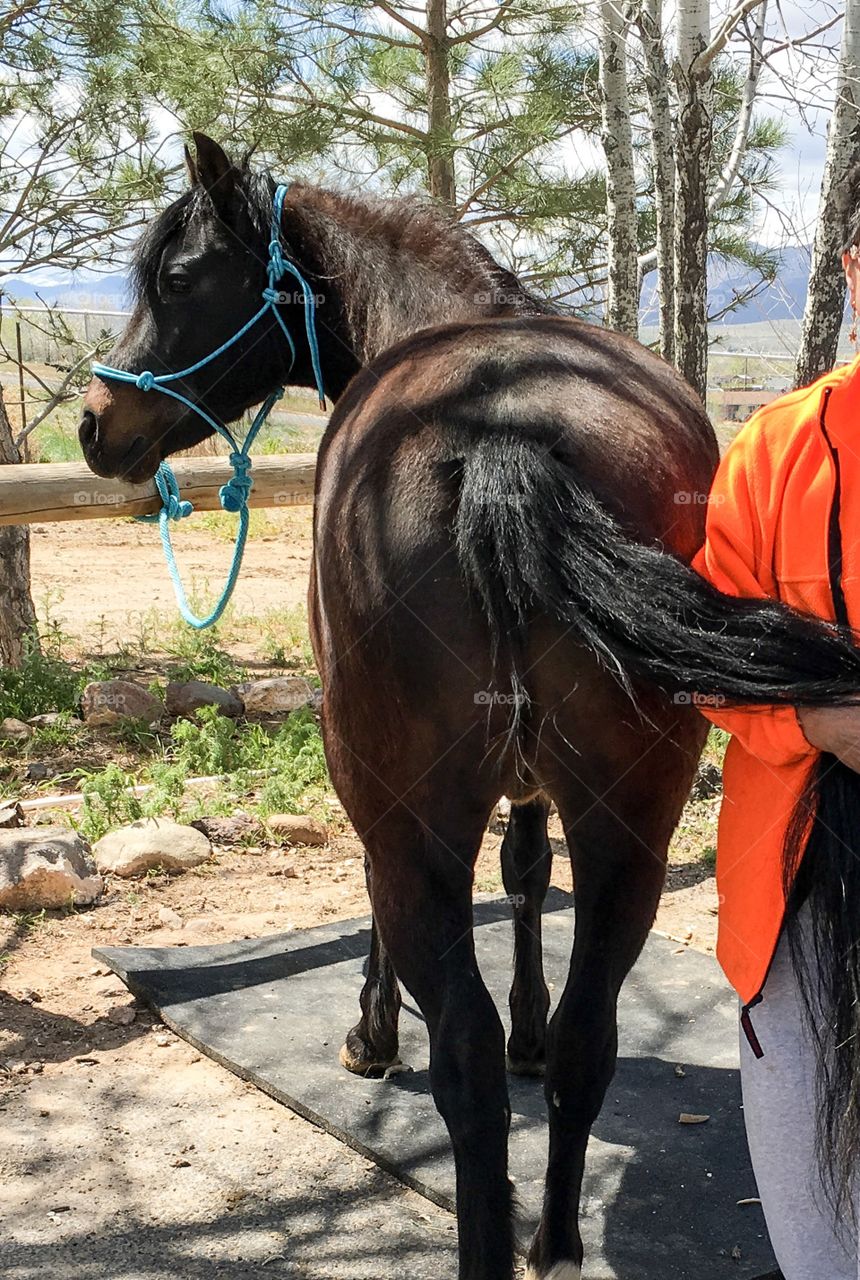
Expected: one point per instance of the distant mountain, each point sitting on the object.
(782, 300)
(92, 292)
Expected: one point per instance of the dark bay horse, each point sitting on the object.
(500, 604)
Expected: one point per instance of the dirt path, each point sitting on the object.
(104, 578)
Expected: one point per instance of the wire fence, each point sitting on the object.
(55, 336)
(40, 345)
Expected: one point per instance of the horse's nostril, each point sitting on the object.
(88, 429)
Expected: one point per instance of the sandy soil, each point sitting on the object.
(103, 578)
(125, 1155)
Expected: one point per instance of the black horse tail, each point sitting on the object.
(533, 539)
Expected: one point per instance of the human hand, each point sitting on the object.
(834, 729)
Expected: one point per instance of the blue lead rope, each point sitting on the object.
(235, 493)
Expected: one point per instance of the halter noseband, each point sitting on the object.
(235, 493)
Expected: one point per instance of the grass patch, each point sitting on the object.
(43, 682)
(200, 655)
(266, 772)
(223, 525)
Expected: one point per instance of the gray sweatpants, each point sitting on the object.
(779, 1108)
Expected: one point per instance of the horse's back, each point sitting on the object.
(624, 420)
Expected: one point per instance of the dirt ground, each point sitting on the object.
(104, 578)
(123, 1153)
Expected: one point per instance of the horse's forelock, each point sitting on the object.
(254, 191)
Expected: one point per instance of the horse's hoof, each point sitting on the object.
(359, 1059)
(525, 1066)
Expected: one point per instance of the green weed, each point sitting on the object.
(107, 802)
(199, 656)
(43, 682)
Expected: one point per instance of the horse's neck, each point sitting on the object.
(390, 270)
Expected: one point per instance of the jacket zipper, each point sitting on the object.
(840, 613)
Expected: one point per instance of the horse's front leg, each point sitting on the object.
(371, 1046)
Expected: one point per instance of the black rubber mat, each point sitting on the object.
(661, 1197)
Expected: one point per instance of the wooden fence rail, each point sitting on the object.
(37, 492)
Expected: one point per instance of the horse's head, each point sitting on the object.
(199, 273)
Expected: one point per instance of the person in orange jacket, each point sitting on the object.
(784, 521)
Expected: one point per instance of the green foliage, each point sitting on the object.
(286, 642)
(79, 159)
(297, 767)
(52, 737)
(200, 656)
(108, 802)
(210, 743)
(43, 682)
(29, 920)
(267, 772)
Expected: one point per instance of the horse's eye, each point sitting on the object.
(178, 282)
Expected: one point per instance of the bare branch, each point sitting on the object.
(726, 30)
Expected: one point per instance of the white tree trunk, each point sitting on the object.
(692, 158)
(663, 163)
(729, 174)
(822, 317)
(622, 308)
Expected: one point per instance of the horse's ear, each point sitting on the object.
(191, 166)
(214, 170)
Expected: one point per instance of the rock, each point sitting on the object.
(276, 695)
(104, 702)
(241, 826)
(11, 814)
(708, 781)
(46, 867)
(170, 918)
(185, 699)
(49, 718)
(121, 1015)
(294, 829)
(151, 842)
(38, 771)
(14, 729)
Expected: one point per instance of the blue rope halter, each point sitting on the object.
(235, 493)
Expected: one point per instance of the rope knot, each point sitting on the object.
(235, 493)
(177, 508)
(272, 295)
(173, 506)
(145, 381)
(276, 259)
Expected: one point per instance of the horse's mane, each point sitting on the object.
(409, 230)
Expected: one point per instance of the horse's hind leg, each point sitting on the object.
(371, 1045)
(422, 890)
(618, 877)
(526, 866)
